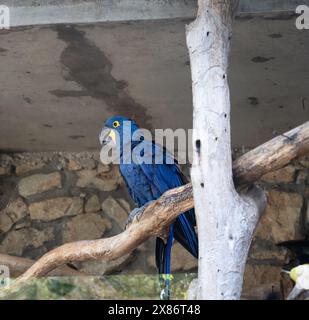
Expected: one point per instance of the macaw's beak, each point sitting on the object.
(107, 135)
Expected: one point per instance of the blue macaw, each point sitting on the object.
(147, 182)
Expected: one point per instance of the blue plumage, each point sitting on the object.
(148, 181)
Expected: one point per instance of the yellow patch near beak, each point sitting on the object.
(107, 135)
(112, 135)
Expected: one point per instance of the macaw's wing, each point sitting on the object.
(163, 177)
(140, 190)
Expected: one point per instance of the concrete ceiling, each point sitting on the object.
(39, 12)
(59, 83)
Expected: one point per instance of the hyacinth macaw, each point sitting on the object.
(147, 182)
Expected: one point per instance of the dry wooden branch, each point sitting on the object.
(272, 155)
(18, 266)
(156, 217)
(161, 213)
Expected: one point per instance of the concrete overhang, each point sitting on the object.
(39, 12)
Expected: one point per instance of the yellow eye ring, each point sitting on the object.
(116, 124)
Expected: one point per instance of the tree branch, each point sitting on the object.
(18, 266)
(161, 213)
(155, 218)
(272, 155)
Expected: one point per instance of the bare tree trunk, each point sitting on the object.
(226, 220)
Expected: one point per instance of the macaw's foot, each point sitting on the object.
(136, 214)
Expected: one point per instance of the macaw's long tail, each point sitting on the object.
(163, 262)
(185, 234)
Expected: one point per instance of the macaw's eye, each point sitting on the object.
(116, 124)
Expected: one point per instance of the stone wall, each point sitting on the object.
(286, 218)
(47, 199)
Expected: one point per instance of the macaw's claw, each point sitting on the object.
(136, 214)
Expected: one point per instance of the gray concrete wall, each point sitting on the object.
(270, 5)
(60, 83)
(28, 12)
(50, 12)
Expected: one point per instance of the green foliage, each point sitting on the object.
(106, 287)
(58, 287)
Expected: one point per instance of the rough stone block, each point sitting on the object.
(85, 227)
(92, 204)
(39, 183)
(17, 240)
(52, 209)
(115, 211)
(284, 175)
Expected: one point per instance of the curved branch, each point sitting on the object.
(18, 266)
(161, 213)
(272, 155)
(155, 218)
